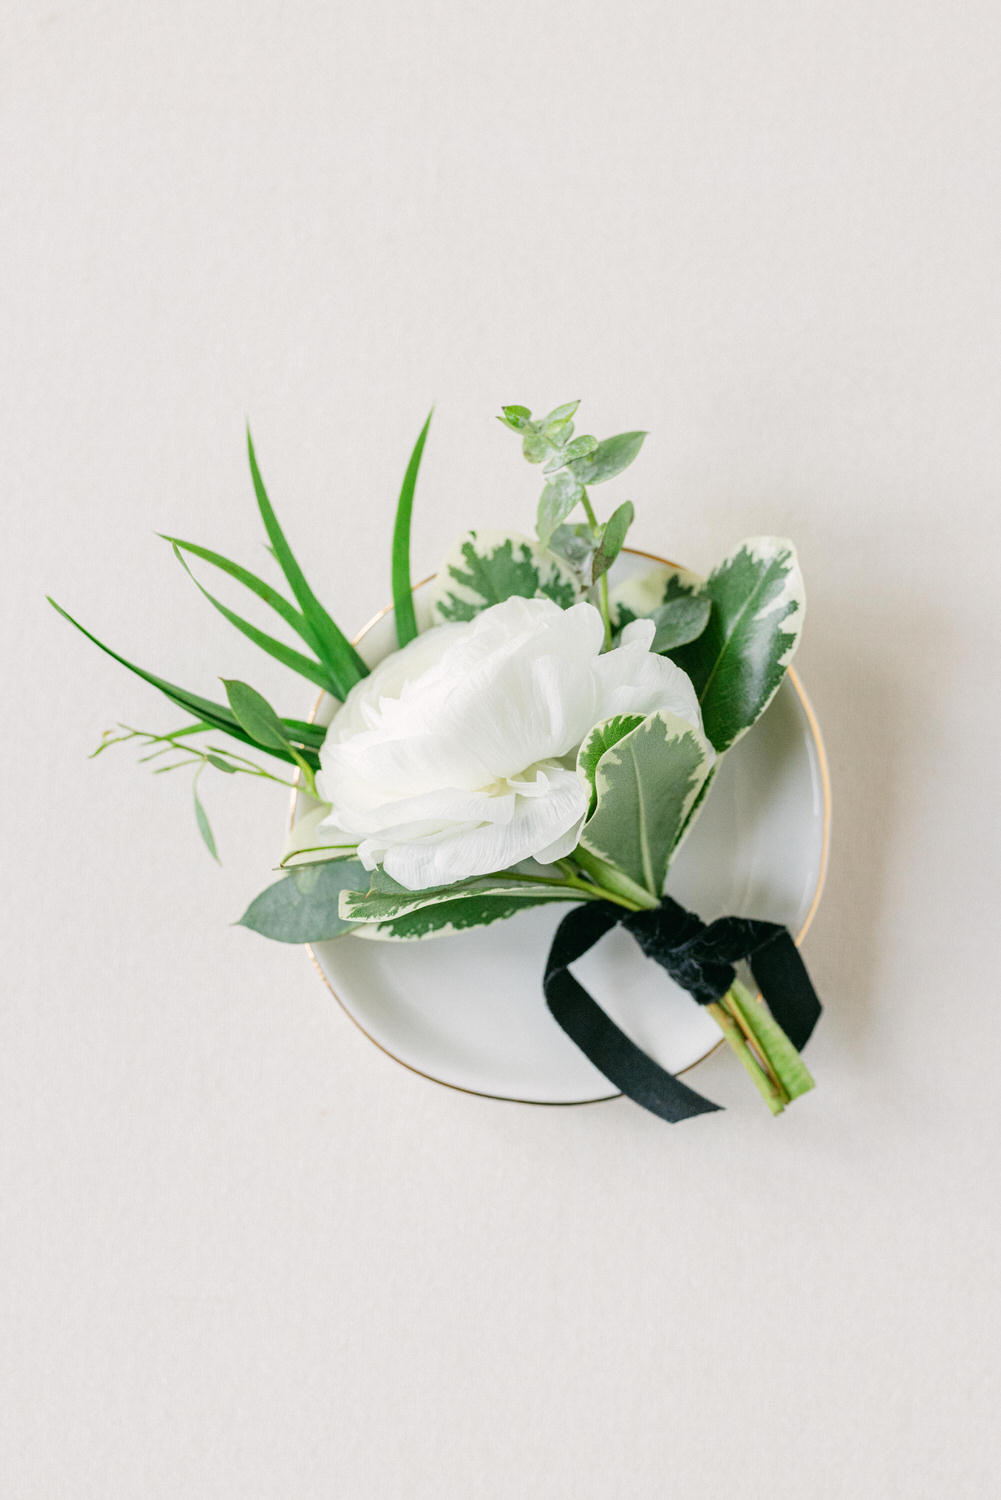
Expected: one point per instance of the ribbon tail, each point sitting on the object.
(596, 1034)
(782, 976)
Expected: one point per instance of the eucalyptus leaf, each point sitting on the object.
(515, 417)
(642, 595)
(561, 413)
(609, 458)
(302, 907)
(534, 448)
(486, 567)
(558, 499)
(679, 621)
(645, 784)
(613, 536)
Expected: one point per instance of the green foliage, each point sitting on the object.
(739, 660)
(644, 785)
(302, 907)
(486, 567)
(337, 654)
(403, 599)
(601, 738)
(302, 665)
(216, 715)
(573, 463)
(402, 913)
(679, 621)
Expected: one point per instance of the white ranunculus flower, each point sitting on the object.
(456, 756)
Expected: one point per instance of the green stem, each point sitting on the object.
(735, 1039)
(603, 605)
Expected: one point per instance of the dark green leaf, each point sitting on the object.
(473, 909)
(403, 599)
(609, 458)
(336, 652)
(302, 906)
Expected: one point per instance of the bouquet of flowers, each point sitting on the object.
(538, 737)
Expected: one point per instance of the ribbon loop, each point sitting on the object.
(699, 957)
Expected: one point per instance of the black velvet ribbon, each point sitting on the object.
(700, 958)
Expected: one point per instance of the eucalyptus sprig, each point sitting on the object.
(574, 463)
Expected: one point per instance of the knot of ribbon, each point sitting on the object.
(699, 957)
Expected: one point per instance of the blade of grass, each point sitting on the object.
(258, 586)
(204, 709)
(336, 651)
(403, 599)
(304, 666)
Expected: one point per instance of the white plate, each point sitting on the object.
(468, 1010)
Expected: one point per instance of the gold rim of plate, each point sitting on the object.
(814, 727)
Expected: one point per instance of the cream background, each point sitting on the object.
(243, 1254)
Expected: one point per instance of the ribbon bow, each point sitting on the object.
(700, 958)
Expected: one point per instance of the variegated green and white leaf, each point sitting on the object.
(478, 909)
(635, 598)
(646, 784)
(303, 906)
(601, 738)
(384, 900)
(486, 567)
(739, 660)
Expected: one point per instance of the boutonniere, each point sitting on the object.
(545, 739)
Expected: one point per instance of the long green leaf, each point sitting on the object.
(385, 900)
(403, 599)
(256, 585)
(215, 714)
(302, 665)
(443, 917)
(337, 653)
